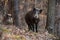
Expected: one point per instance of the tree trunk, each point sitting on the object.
(16, 12)
(51, 15)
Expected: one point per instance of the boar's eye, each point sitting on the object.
(34, 9)
(40, 11)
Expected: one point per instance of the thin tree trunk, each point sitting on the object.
(51, 15)
(16, 12)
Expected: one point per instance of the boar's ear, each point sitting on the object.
(34, 9)
(40, 10)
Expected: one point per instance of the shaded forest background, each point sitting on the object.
(21, 7)
(18, 9)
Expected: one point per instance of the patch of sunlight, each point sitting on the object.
(51, 35)
(35, 33)
(22, 38)
(4, 29)
(15, 36)
(18, 37)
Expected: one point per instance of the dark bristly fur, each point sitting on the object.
(32, 21)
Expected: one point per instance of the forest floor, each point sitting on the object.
(10, 32)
